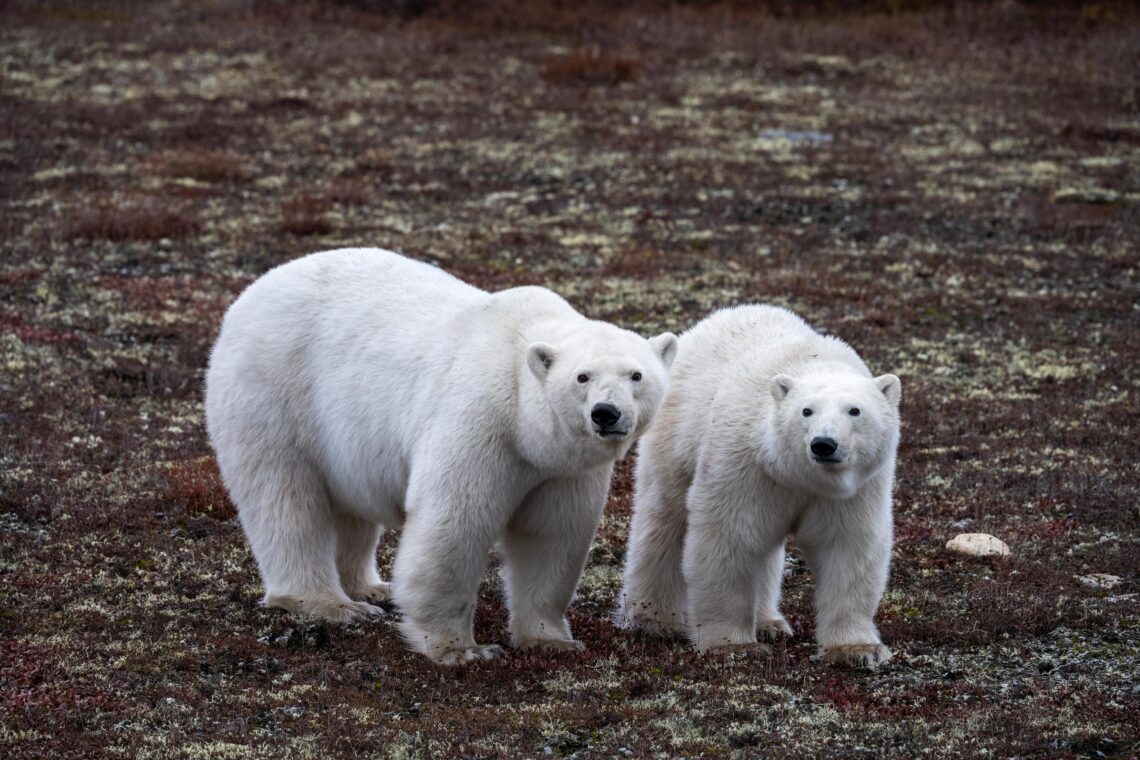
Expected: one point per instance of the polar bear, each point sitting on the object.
(355, 389)
(768, 429)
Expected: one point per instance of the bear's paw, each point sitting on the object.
(462, 656)
(773, 630)
(378, 592)
(551, 645)
(333, 610)
(352, 612)
(856, 655)
(645, 618)
(750, 649)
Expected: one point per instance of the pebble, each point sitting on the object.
(797, 136)
(978, 545)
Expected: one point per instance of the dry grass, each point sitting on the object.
(591, 67)
(305, 215)
(195, 486)
(131, 218)
(200, 164)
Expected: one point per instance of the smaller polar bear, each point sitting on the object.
(768, 429)
(355, 389)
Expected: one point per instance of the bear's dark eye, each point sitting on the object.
(808, 412)
(854, 411)
(583, 378)
(636, 377)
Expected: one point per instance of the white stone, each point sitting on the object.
(1100, 580)
(978, 545)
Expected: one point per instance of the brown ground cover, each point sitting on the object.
(956, 192)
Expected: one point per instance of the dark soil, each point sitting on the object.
(956, 192)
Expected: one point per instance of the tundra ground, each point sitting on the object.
(956, 192)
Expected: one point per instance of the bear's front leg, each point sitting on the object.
(721, 566)
(545, 550)
(439, 564)
(847, 544)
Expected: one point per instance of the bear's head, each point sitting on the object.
(603, 384)
(836, 429)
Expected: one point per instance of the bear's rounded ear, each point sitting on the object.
(665, 345)
(539, 357)
(781, 386)
(891, 387)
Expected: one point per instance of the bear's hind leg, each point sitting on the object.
(770, 624)
(726, 535)
(652, 596)
(356, 541)
(288, 522)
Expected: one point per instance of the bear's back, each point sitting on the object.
(349, 286)
(756, 341)
(324, 311)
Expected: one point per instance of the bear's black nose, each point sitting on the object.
(605, 415)
(823, 447)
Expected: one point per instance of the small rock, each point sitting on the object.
(1099, 580)
(978, 545)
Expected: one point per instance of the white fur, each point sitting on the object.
(726, 473)
(355, 389)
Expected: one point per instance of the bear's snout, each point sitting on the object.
(605, 416)
(823, 449)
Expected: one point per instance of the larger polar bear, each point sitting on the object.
(354, 389)
(768, 429)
